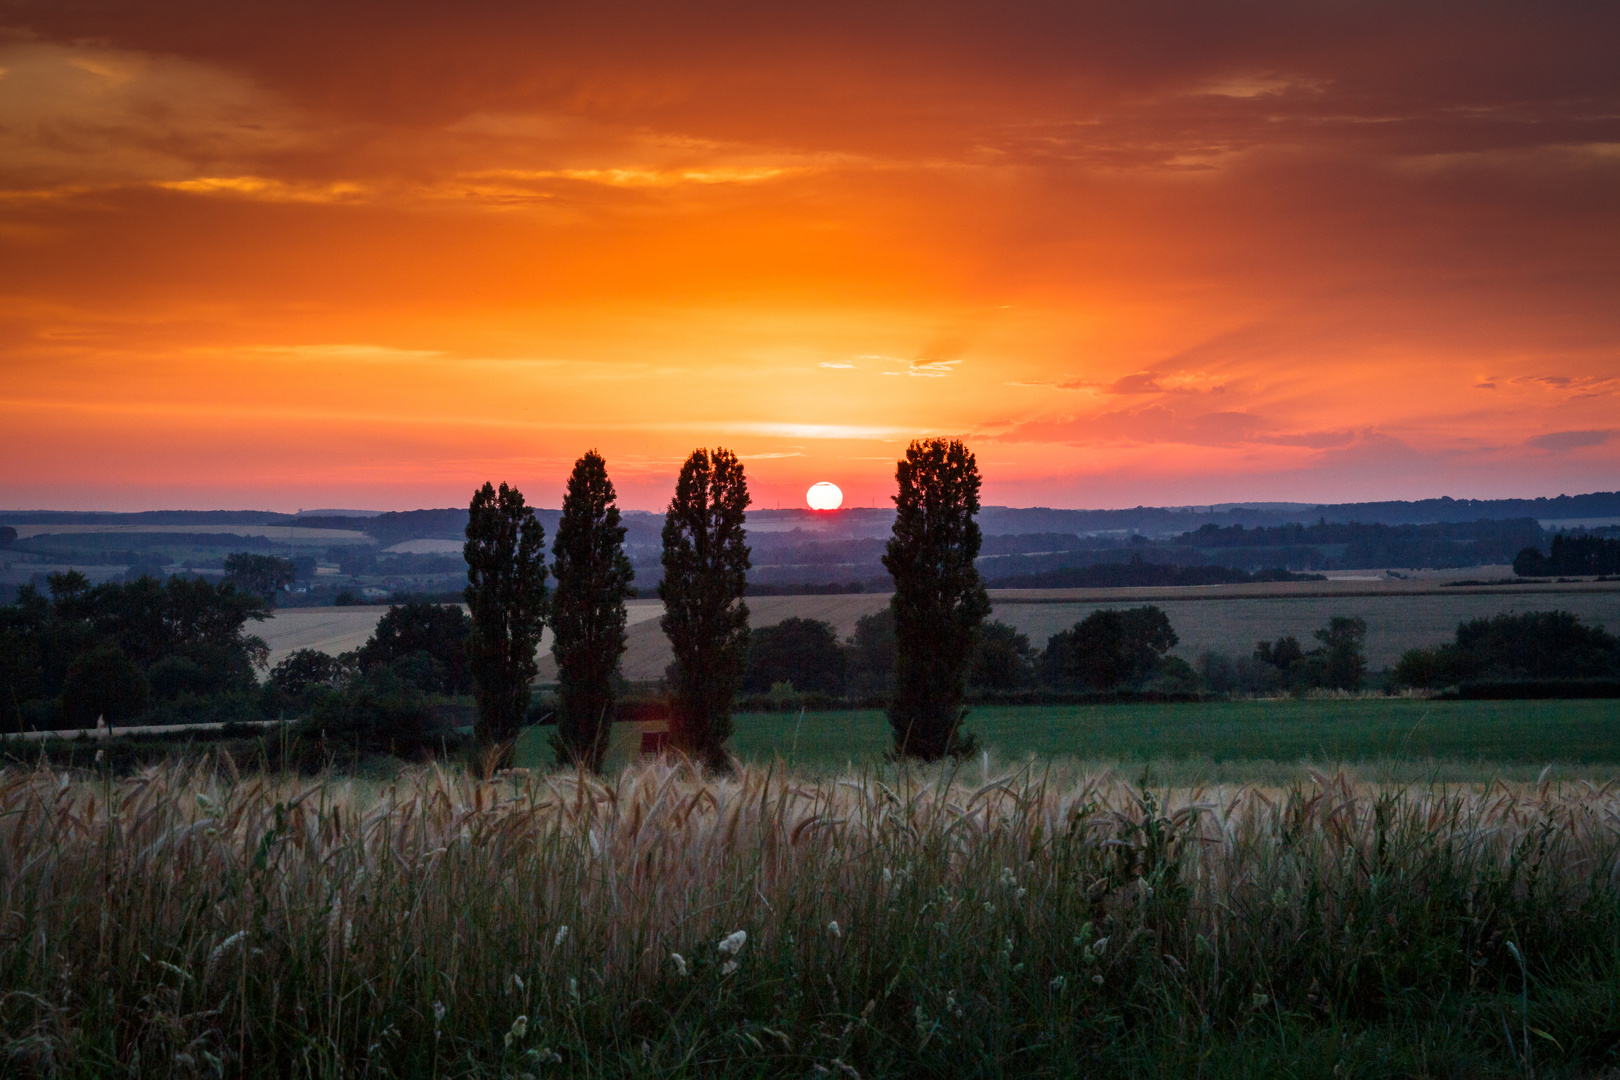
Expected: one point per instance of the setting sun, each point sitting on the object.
(824, 496)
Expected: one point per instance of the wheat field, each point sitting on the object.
(197, 921)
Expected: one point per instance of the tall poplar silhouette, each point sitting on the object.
(705, 577)
(506, 594)
(939, 599)
(587, 612)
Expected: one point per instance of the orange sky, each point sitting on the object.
(319, 254)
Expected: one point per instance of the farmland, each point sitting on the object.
(197, 922)
(1400, 615)
(1205, 741)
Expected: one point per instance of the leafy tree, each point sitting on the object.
(705, 577)
(304, 670)
(379, 712)
(1282, 654)
(261, 575)
(1571, 554)
(1342, 663)
(1239, 675)
(100, 684)
(438, 630)
(804, 652)
(1002, 658)
(871, 653)
(1109, 649)
(1530, 645)
(939, 598)
(506, 593)
(587, 612)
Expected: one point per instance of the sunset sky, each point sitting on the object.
(295, 255)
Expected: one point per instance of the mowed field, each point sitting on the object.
(1419, 739)
(1400, 615)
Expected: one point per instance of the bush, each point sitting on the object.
(1239, 674)
(380, 712)
(103, 683)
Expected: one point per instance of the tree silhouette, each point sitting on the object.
(261, 575)
(587, 612)
(939, 598)
(705, 576)
(506, 594)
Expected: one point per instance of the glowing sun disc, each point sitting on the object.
(824, 496)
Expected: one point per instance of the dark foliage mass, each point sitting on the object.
(1139, 573)
(306, 670)
(706, 560)
(114, 648)
(939, 598)
(871, 654)
(432, 637)
(1002, 659)
(1108, 649)
(102, 685)
(506, 594)
(261, 575)
(1338, 663)
(1535, 645)
(803, 652)
(593, 578)
(1570, 555)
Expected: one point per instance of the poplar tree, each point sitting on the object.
(705, 577)
(939, 599)
(506, 594)
(587, 612)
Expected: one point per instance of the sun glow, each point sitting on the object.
(824, 496)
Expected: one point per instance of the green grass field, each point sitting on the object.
(1211, 740)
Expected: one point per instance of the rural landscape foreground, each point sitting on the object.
(1187, 860)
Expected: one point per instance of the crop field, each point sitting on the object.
(197, 922)
(1198, 741)
(1397, 618)
(270, 532)
(1230, 619)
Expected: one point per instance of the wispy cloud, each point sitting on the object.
(1557, 441)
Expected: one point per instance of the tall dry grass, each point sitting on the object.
(196, 921)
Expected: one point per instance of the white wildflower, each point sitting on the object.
(520, 1028)
(562, 936)
(728, 967)
(732, 943)
(438, 1015)
(832, 928)
(680, 963)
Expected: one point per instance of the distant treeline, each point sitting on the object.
(1571, 554)
(1138, 573)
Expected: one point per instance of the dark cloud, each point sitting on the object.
(1572, 440)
